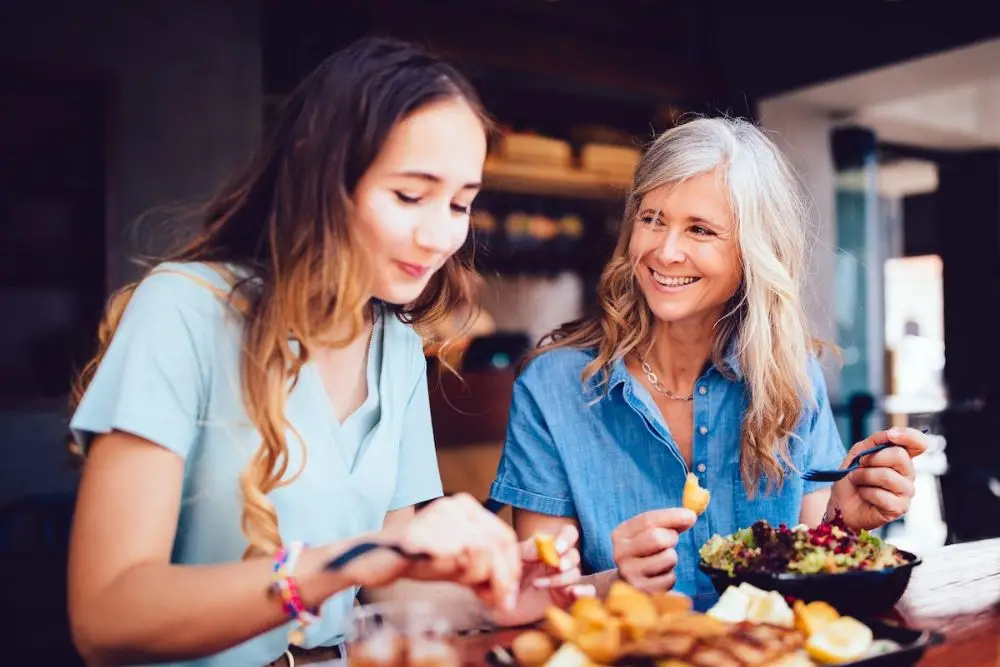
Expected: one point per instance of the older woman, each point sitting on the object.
(698, 361)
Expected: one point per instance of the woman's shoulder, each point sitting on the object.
(189, 286)
(180, 289)
(557, 365)
(817, 365)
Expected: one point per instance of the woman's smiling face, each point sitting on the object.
(685, 250)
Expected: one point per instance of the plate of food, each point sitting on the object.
(748, 627)
(854, 571)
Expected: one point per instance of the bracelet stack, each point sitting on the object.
(284, 583)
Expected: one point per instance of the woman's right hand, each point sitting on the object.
(467, 545)
(644, 547)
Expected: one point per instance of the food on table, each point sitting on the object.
(630, 625)
(602, 645)
(431, 652)
(568, 655)
(382, 648)
(748, 603)
(589, 613)
(813, 616)
(748, 627)
(546, 546)
(842, 640)
(695, 498)
(635, 608)
(533, 648)
(830, 547)
(668, 602)
(560, 624)
(386, 647)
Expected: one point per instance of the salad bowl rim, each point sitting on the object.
(912, 560)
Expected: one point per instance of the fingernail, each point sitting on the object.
(584, 591)
(511, 600)
(894, 432)
(561, 545)
(543, 582)
(564, 564)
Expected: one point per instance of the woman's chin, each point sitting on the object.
(400, 294)
(675, 314)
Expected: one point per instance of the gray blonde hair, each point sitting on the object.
(765, 318)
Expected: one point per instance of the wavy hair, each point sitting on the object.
(285, 220)
(765, 319)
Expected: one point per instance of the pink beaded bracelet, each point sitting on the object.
(285, 584)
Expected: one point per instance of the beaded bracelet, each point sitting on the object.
(286, 585)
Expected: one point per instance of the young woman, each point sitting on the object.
(699, 360)
(259, 404)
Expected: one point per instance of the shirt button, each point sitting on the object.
(701, 467)
(703, 430)
(702, 390)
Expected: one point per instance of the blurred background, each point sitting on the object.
(890, 111)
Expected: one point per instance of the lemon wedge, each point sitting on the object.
(842, 640)
(814, 616)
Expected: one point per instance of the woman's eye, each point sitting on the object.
(650, 220)
(406, 199)
(461, 209)
(702, 231)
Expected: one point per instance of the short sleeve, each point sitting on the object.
(418, 477)
(152, 381)
(824, 448)
(531, 475)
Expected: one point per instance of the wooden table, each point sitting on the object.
(956, 591)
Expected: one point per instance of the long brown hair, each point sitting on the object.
(765, 319)
(285, 220)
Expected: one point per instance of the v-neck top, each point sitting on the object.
(360, 425)
(172, 376)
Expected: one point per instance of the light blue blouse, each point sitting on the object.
(171, 376)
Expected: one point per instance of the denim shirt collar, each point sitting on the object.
(619, 372)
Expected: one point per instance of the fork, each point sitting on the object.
(836, 475)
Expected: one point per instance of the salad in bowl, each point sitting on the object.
(830, 547)
(854, 571)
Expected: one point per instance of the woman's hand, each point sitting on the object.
(543, 585)
(879, 491)
(644, 547)
(467, 545)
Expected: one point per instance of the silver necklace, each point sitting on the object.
(658, 386)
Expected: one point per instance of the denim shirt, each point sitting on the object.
(573, 450)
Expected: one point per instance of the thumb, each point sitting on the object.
(685, 519)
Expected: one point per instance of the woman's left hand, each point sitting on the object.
(542, 585)
(879, 491)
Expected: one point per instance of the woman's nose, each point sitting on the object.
(672, 250)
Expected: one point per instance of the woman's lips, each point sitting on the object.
(413, 270)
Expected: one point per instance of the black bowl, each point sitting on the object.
(859, 593)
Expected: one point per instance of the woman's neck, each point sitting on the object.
(343, 330)
(678, 352)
